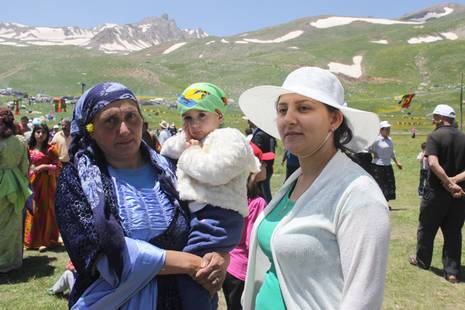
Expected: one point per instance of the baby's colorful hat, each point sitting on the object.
(202, 96)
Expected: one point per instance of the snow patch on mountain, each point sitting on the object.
(424, 39)
(289, 36)
(173, 48)
(430, 15)
(433, 38)
(354, 70)
(335, 21)
(380, 41)
(449, 35)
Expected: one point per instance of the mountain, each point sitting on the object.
(376, 59)
(108, 38)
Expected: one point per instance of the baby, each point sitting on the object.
(212, 169)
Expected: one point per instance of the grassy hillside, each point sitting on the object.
(432, 70)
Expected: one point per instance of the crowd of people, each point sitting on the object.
(167, 220)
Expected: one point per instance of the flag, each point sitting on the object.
(406, 100)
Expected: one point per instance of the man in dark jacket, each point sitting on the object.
(443, 202)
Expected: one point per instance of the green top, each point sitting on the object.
(14, 164)
(269, 296)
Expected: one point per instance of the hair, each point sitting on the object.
(33, 142)
(8, 120)
(24, 118)
(253, 189)
(423, 145)
(343, 134)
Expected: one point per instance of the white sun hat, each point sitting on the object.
(259, 104)
(384, 124)
(444, 110)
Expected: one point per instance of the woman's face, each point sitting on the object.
(303, 123)
(118, 130)
(385, 132)
(40, 135)
(200, 123)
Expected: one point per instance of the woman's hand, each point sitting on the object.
(39, 169)
(213, 271)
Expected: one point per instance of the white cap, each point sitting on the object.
(384, 124)
(444, 110)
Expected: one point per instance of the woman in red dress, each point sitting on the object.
(41, 229)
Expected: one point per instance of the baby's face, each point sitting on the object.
(199, 124)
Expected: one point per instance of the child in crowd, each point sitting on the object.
(233, 284)
(423, 169)
(212, 169)
(65, 282)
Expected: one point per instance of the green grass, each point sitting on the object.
(407, 287)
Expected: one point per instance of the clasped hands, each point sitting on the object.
(453, 188)
(212, 271)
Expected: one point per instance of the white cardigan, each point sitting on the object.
(331, 249)
(216, 171)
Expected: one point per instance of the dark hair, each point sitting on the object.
(24, 118)
(33, 142)
(423, 145)
(8, 120)
(253, 189)
(342, 135)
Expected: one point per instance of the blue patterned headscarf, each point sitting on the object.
(82, 148)
(86, 156)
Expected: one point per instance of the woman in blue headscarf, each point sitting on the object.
(119, 212)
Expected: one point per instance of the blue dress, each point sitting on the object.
(79, 232)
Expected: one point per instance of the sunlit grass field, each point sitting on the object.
(407, 287)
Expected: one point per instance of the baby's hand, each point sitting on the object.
(193, 142)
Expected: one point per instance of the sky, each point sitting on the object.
(219, 17)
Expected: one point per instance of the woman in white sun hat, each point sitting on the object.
(381, 169)
(322, 242)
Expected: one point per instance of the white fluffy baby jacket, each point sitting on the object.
(216, 171)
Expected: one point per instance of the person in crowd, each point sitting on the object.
(41, 229)
(292, 163)
(213, 165)
(14, 191)
(150, 138)
(120, 216)
(233, 284)
(267, 143)
(65, 282)
(165, 132)
(381, 169)
(413, 131)
(173, 129)
(322, 242)
(62, 140)
(443, 202)
(423, 169)
(23, 125)
(54, 131)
